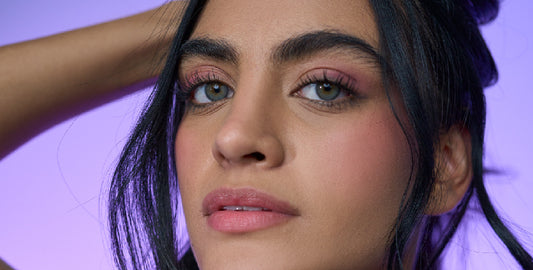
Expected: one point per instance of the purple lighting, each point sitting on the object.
(52, 189)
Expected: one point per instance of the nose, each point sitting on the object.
(248, 138)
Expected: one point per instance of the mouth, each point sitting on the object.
(245, 210)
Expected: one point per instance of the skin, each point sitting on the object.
(47, 80)
(4, 266)
(347, 198)
(343, 169)
(119, 57)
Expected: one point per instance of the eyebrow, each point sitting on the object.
(314, 42)
(294, 48)
(217, 49)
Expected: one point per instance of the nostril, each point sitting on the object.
(256, 155)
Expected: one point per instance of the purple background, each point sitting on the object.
(52, 189)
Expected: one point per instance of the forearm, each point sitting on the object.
(45, 81)
(4, 266)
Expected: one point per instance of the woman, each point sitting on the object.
(296, 130)
(253, 107)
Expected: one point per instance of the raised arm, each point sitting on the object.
(4, 265)
(48, 80)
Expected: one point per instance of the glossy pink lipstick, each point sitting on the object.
(244, 210)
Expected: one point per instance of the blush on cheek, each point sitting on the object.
(183, 151)
(362, 173)
(372, 153)
(188, 151)
(192, 149)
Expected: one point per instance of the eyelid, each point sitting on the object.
(191, 79)
(348, 84)
(205, 73)
(343, 80)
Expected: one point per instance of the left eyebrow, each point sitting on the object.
(311, 43)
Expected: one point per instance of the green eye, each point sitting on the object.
(211, 92)
(322, 91)
(327, 91)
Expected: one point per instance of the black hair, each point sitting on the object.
(434, 55)
(438, 59)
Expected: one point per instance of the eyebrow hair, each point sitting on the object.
(294, 48)
(310, 43)
(218, 49)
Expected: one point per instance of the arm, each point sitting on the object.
(4, 266)
(48, 80)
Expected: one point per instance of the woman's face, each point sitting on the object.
(289, 155)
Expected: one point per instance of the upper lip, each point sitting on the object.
(217, 199)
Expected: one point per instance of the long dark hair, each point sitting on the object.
(433, 54)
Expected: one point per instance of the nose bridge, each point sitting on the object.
(250, 107)
(248, 134)
(256, 86)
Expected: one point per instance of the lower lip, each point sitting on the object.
(245, 221)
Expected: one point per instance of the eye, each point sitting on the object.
(322, 91)
(211, 92)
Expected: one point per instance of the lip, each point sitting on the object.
(275, 211)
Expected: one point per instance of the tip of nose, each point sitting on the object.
(263, 150)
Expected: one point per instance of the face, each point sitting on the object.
(289, 155)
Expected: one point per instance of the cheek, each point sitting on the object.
(185, 153)
(370, 155)
(370, 160)
(191, 148)
(364, 166)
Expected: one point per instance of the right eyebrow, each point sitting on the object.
(218, 49)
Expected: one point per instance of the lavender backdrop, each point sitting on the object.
(52, 213)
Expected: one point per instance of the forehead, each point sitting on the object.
(257, 24)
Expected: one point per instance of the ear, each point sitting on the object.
(453, 162)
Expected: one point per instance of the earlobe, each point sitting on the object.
(453, 170)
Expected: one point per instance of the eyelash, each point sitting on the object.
(346, 84)
(186, 91)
